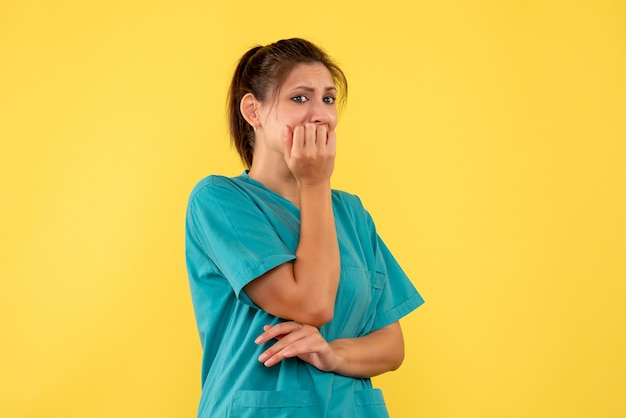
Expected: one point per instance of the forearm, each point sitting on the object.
(305, 290)
(316, 269)
(375, 353)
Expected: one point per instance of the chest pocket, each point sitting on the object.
(355, 307)
(274, 404)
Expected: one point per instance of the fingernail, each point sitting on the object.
(263, 357)
(258, 340)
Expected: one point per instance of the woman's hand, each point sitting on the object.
(378, 352)
(310, 153)
(297, 340)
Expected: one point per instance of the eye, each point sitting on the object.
(300, 98)
(329, 100)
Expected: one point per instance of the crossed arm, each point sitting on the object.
(304, 292)
(377, 352)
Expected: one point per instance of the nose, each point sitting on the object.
(320, 114)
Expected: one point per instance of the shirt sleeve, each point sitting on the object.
(234, 234)
(398, 296)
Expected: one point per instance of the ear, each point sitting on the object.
(249, 108)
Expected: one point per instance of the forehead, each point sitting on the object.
(309, 74)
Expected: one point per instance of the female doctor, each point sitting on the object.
(296, 297)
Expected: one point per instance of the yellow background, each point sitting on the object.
(487, 138)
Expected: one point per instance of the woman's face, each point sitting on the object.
(306, 96)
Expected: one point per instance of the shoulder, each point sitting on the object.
(214, 186)
(211, 182)
(350, 204)
(347, 199)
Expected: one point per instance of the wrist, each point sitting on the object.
(315, 194)
(323, 185)
(339, 355)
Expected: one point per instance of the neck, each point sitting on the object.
(276, 176)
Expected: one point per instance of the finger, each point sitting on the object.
(273, 354)
(321, 135)
(297, 141)
(288, 141)
(309, 141)
(267, 327)
(277, 331)
(307, 344)
(279, 351)
(331, 143)
(292, 335)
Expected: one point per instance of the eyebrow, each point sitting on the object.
(308, 88)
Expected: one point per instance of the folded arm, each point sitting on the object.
(305, 290)
(377, 352)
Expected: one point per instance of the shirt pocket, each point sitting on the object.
(370, 404)
(377, 283)
(274, 404)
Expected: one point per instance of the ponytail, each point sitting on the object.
(241, 133)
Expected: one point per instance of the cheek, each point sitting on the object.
(293, 117)
(333, 121)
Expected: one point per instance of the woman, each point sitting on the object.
(297, 299)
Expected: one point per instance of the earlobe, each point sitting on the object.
(249, 109)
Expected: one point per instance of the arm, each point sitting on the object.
(375, 353)
(305, 290)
